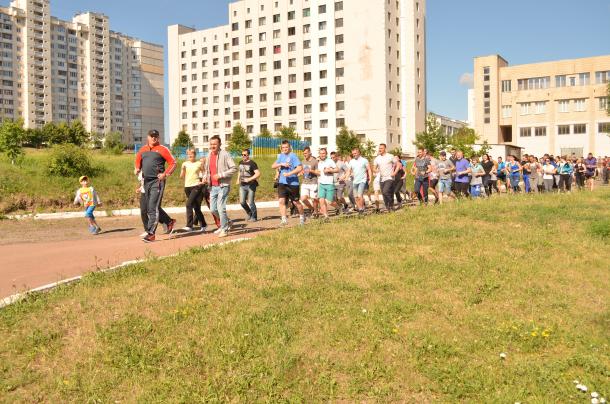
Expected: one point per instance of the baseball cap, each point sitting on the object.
(84, 177)
(153, 133)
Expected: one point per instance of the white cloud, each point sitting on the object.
(467, 80)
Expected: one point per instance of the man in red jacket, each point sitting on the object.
(151, 160)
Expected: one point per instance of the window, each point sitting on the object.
(324, 107)
(540, 107)
(525, 132)
(339, 39)
(323, 74)
(292, 31)
(321, 25)
(307, 76)
(262, 97)
(341, 89)
(277, 96)
(262, 51)
(277, 111)
(292, 94)
(340, 105)
(306, 28)
(563, 105)
(263, 113)
(534, 83)
(277, 64)
(262, 37)
(306, 12)
(506, 86)
(540, 131)
(262, 67)
(603, 103)
(307, 125)
(339, 23)
(323, 58)
(277, 49)
(580, 128)
(276, 18)
(602, 77)
(563, 129)
(560, 81)
(307, 108)
(276, 34)
(291, 15)
(292, 110)
(277, 80)
(307, 60)
(322, 41)
(584, 79)
(340, 55)
(306, 44)
(507, 111)
(324, 139)
(603, 127)
(525, 108)
(324, 123)
(307, 93)
(339, 6)
(322, 9)
(580, 105)
(262, 21)
(340, 72)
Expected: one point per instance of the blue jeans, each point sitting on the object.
(526, 180)
(218, 204)
(246, 194)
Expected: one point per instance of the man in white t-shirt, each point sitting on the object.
(384, 165)
(360, 170)
(326, 182)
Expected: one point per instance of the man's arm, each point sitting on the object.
(171, 161)
(231, 167)
(138, 162)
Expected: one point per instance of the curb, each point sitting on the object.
(129, 212)
(7, 301)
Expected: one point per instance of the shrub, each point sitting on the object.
(69, 161)
(113, 143)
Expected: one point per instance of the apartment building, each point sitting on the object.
(553, 107)
(60, 71)
(314, 65)
(450, 126)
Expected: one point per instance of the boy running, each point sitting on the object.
(87, 197)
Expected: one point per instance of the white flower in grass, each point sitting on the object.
(503, 355)
(594, 401)
(595, 394)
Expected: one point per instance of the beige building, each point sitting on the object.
(54, 70)
(553, 107)
(314, 65)
(449, 125)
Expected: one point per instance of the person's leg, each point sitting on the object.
(548, 184)
(243, 196)
(282, 203)
(223, 195)
(425, 189)
(526, 183)
(251, 202)
(154, 190)
(388, 196)
(569, 183)
(144, 210)
(214, 196)
(190, 199)
(396, 190)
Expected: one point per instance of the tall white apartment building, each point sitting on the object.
(54, 70)
(315, 65)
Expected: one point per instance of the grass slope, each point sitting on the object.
(28, 187)
(415, 307)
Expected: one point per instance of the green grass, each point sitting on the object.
(411, 307)
(29, 188)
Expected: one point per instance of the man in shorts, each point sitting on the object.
(309, 187)
(289, 167)
(326, 192)
(360, 171)
(341, 181)
(444, 169)
(591, 165)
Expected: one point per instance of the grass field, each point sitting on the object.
(415, 307)
(28, 187)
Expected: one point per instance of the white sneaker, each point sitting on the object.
(222, 234)
(218, 230)
(203, 229)
(187, 228)
(143, 235)
(283, 223)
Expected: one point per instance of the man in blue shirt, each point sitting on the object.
(462, 172)
(289, 167)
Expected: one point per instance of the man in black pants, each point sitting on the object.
(151, 160)
(384, 165)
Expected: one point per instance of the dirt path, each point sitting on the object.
(36, 253)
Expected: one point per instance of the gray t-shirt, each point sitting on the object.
(477, 169)
(342, 166)
(442, 166)
(308, 176)
(421, 166)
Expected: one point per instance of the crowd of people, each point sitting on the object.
(313, 187)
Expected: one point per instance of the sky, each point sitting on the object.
(522, 31)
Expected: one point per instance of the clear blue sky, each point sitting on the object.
(522, 31)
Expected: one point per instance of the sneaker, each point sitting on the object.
(253, 219)
(149, 238)
(187, 228)
(143, 235)
(222, 234)
(203, 229)
(92, 229)
(283, 223)
(229, 225)
(164, 229)
(302, 221)
(98, 230)
(218, 230)
(170, 226)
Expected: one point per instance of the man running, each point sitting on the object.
(289, 167)
(421, 170)
(360, 170)
(445, 169)
(340, 181)
(462, 171)
(326, 192)
(309, 187)
(150, 161)
(247, 177)
(384, 166)
(220, 169)
(591, 164)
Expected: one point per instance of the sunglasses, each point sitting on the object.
(244, 155)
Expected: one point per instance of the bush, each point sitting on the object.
(113, 143)
(70, 161)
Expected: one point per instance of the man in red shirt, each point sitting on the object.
(219, 171)
(150, 161)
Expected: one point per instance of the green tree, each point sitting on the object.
(465, 139)
(265, 133)
(77, 134)
(113, 143)
(239, 139)
(368, 149)
(347, 140)
(35, 137)
(182, 140)
(287, 133)
(56, 134)
(397, 151)
(434, 138)
(12, 135)
(97, 140)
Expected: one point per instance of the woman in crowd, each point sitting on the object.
(477, 172)
(565, 171)
(489, 179)
(548, 175)
(513, 170)
(579, 173)
(193, 188)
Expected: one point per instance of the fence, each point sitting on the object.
(261, 146)
(266, 146)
